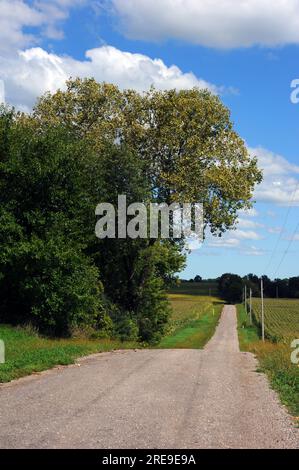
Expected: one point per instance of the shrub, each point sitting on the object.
(52, 285)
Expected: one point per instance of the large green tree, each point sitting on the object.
(54, 272)
(45, 276)
(186, 138)
(87, 145)
(230, 287)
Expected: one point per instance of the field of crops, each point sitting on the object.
(193, 319)
(186, 308)
(281, 318)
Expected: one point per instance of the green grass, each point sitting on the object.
(27, 353)
(193, 321)
(195, 335)
(248, 334)
(274, 360)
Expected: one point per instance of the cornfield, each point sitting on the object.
(281, 318)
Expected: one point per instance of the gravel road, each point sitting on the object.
(210, 398)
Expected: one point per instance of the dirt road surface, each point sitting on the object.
(211, 398)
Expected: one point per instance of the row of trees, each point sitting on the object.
(281, 288)
(87, 145)
(231, 287)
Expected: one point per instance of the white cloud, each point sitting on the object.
(30, 73)
(236, 240)
(45, 16)
(14, 16)
(280, 185)
(275, 230)
(253, 251)
(249, 212)
(221, 24)
(273, 164)
(271, 214)
(2, 92)
(294, 238)
(245, 223)
(224, 242)
(247, 235)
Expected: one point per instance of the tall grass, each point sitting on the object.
(193, 321)
(26, 352)
(274, 360)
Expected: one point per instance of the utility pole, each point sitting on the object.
(245, 301)
(250, 312)
(263, 310)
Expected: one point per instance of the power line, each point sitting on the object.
(283, 227)
(287, 250)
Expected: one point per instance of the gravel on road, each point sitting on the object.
(211, 398)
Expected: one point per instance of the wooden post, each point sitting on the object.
(245, 301)
(263, 310)
(250, 312)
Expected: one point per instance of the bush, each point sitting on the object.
(51, 263)
(231, 288)
(52, 285)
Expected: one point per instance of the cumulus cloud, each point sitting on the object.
(2, 92)
(224, 24)
(280, 185)
(294, 238)
(252, 224)
(224, 243)
(238, 240)
(30, 73)
(249, 212)
(275, 230)
(44, 16)
(247, 235)
(253, 251)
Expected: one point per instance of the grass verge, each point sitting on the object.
(192, 324)
(274, 360)
(195, 332)
(26, 352)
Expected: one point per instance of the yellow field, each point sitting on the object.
(192, 322)
(189, 307)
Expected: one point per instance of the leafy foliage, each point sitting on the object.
(185, 138)
(46, 278)
(88, 145)
(231, 287)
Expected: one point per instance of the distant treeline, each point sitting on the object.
(231, 286)
(282, 288)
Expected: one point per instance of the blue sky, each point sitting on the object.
(247, 51)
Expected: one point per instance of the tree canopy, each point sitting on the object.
(185, 138)
(87, 145)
